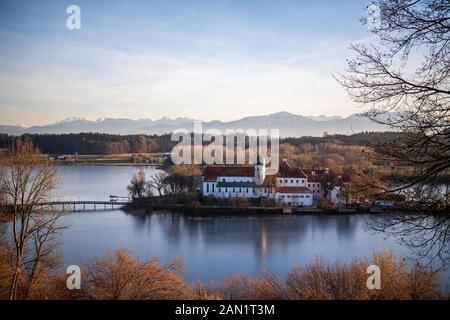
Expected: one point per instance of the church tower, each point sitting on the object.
(260, 170)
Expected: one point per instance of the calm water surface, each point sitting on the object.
(212, 247)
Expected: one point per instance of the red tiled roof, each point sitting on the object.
(287, 171)
(211, 173)
(292, 190)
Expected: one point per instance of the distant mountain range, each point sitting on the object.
(288, 123)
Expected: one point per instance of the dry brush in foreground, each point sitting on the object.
(120, 275)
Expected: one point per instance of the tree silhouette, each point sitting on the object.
(403, 78)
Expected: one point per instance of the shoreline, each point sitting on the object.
(229, 210)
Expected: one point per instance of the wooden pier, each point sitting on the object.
(77, 206)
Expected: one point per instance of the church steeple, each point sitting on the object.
(259, 161)
(260, 170)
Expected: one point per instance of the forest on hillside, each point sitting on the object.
(104, 144)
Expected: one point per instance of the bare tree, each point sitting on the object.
(405, 80)
(328, 181)
(27, 179)
(137, 185)
(157, 182)
(182, 179)
(43, 253)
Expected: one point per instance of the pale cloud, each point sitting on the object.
(46, 78)
(144, 85)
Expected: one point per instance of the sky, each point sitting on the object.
(212, 59)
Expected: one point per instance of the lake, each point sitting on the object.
(212, 247)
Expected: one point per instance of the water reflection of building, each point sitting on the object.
(268, 236)
(263, 243)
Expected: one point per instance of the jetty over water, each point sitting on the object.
(76, 206)
(115, 202)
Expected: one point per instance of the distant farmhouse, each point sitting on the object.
(289, 187)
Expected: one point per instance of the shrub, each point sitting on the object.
(326, 204)
(240, 202)
(119, 275)
(268, 202)
(321, 281)
(5, 272)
